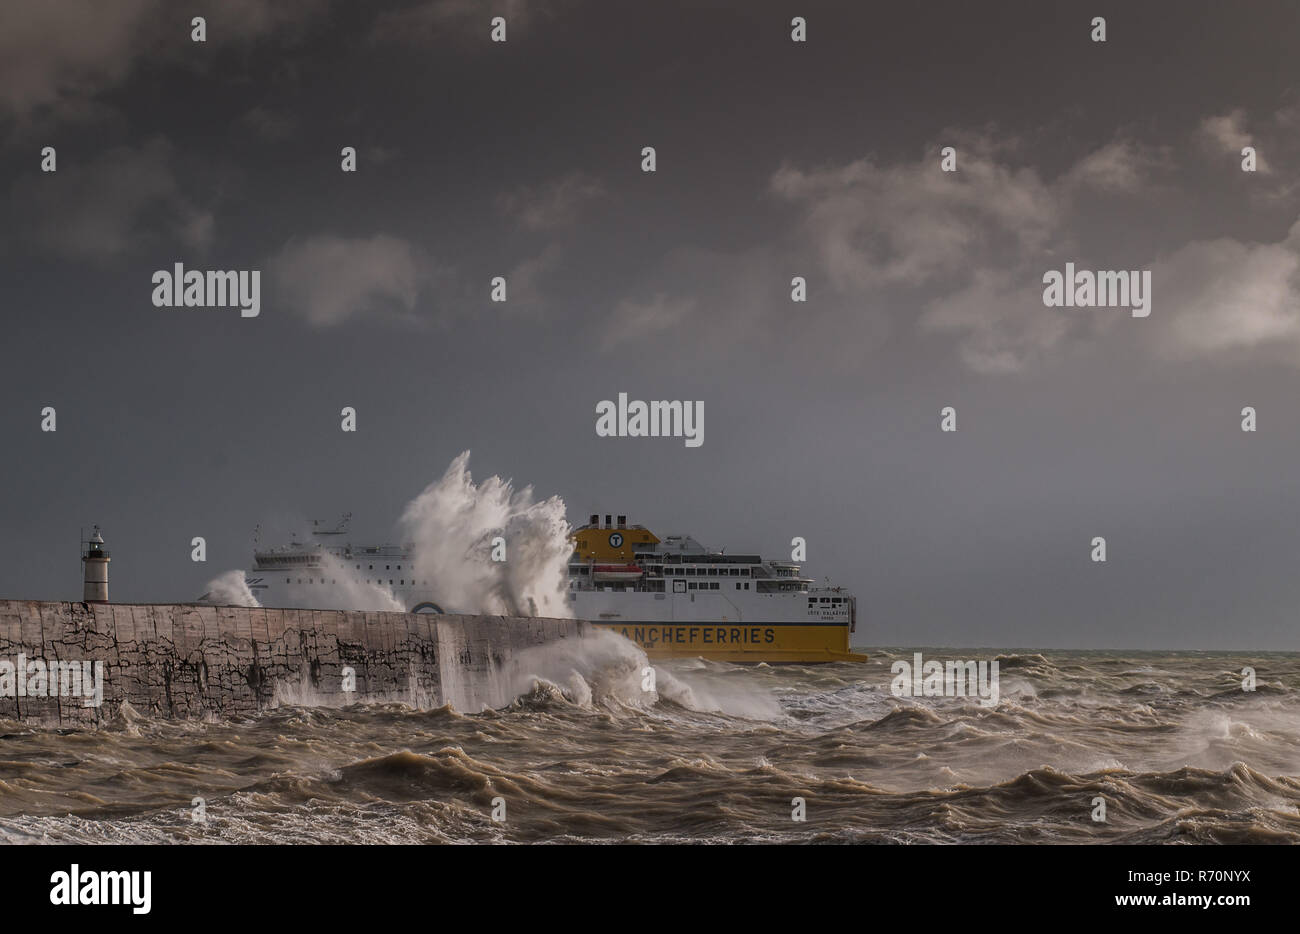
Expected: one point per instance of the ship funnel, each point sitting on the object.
(94, 558)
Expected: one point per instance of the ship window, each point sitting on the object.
(744, 572)
(372, 567)
(714, 585)
(402, 582)
(390, 580)
(746, 585)
(826, 599)
(713, 572)
(388, 567)
(691, 585)
(286, 580)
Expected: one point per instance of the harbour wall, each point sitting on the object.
(194, 661)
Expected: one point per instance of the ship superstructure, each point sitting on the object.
(675, 598)
(324, 569)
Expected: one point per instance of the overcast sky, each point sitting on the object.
(774, 159)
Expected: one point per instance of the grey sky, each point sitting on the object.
(775, 159)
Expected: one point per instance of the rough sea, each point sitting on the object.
(1170, 742)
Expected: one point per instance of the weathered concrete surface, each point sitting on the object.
(183, 660)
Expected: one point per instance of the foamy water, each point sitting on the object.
(716, 752)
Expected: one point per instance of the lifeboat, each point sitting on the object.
(616, 572)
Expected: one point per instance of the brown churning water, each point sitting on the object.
(1170, 741)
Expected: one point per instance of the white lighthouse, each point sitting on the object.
(95, 558)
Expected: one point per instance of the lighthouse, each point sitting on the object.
(95, 558)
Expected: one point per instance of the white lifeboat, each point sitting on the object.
(616, 572)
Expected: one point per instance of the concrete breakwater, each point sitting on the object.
(185, 660)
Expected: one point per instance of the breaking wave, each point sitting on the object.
(229, 589)
(489, 548)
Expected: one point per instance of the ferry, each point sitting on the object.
(671, 596)
(306, 574)
(676, 599)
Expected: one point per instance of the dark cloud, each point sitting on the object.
(328, 280)
(57, 55)
(554, 204)
(124, 200)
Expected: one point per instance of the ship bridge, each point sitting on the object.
(621, 557)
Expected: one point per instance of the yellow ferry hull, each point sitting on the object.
(774, 643)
